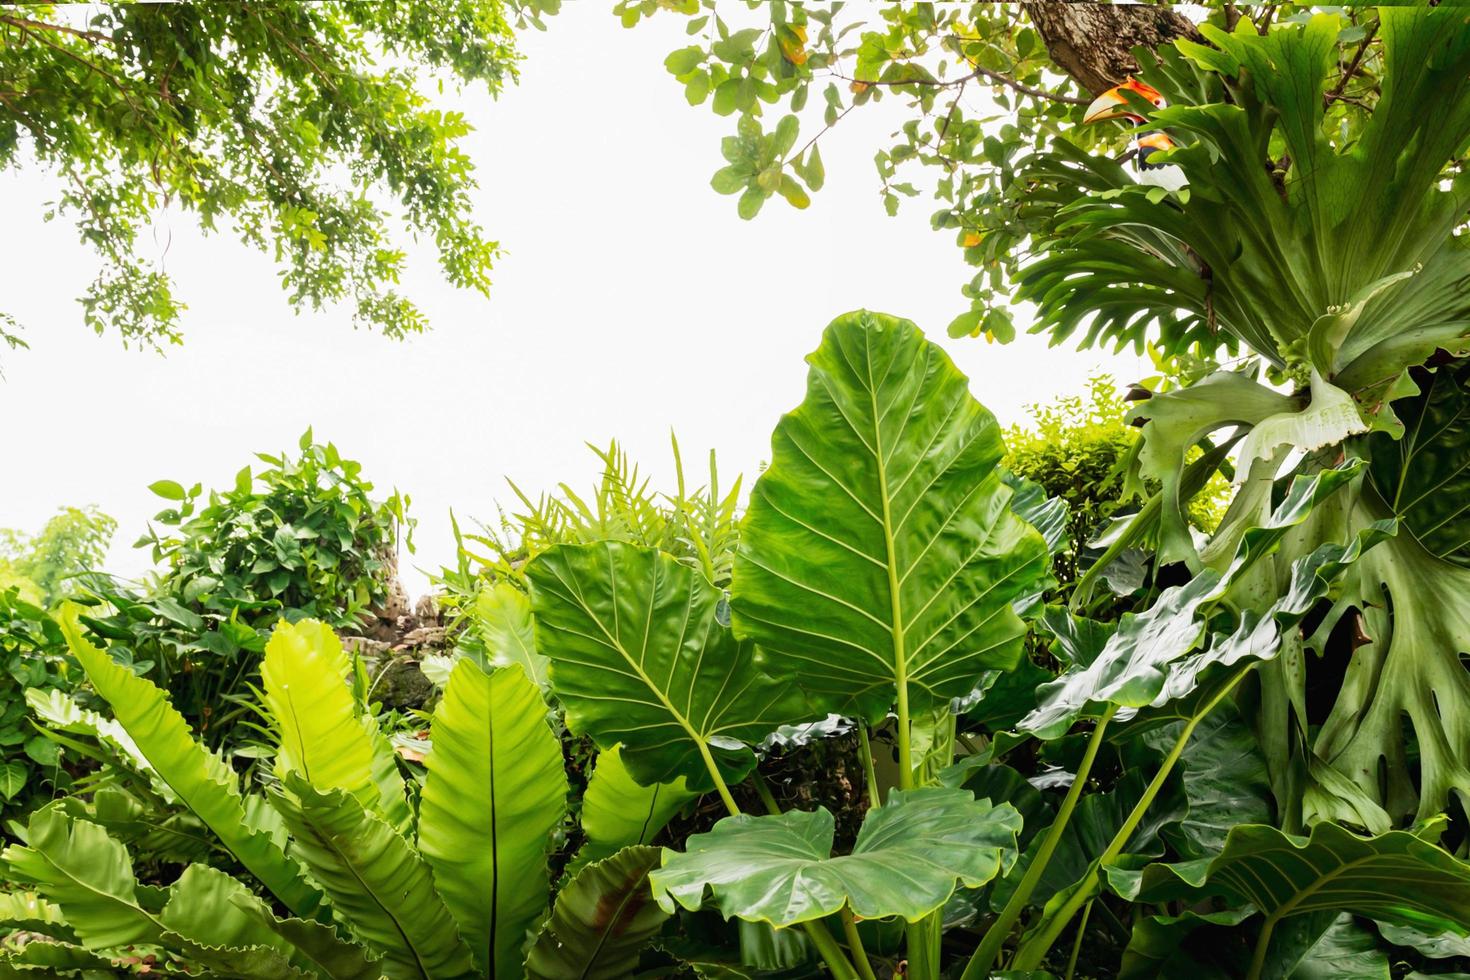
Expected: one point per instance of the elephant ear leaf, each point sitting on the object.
(201, 779)
(639, 657)
(495, 792)
(601, 922)
(910, 856)
(880, 552)
(380, 889)
(1397, 877)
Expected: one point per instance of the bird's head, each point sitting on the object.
(1115, 104)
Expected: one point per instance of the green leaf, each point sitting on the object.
(322, 734)
(1164, 652)
(1437, 946)
(731, 179)
(1225, 780)
(639, 657)
(380, 890)
(910, 855)
(878, 549)
(750, 202)
(168, 489)
(1395, 877)
(205, 782)
(502, 614)
(684, 61)
(494, 794)
(88, 874)
(618, 812)
(1424, 476)
(602, 920)
(13, 776)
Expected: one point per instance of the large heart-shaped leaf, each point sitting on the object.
(879, 550)
(909, 856)
(495, 792)
(1395, 877)
(639, 657)
(601, 922)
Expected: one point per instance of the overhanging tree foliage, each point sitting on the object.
(300, 128)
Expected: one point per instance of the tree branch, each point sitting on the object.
(1352, 69)
(978, 72)
(25, 23)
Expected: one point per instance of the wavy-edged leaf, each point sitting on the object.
(618, 812)
(1395, 877)
(639, 657)
(322, 734)
(494, 794)
(879, 548)
(211, 909)
(201, 779)
(381, 890)
(88, 875)
(1224, 777)
(28, 911)
(601, 922)
(60, 711)
(502, 614)
(910, 855)
(1162, 653)
(55, 959)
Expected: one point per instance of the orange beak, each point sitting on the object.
(1114, 104)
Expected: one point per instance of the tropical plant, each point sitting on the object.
(374, 887)
(244, 115)
(300, 538)
(41, 566)
(1310, 265)
(33, 656)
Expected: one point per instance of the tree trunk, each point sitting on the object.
(1094, 42)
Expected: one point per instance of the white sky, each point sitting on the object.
(632, 301)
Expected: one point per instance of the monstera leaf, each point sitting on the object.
(909, 857)
(494, 794)
(638, 657)
(201, 779)
(601, 922)
(1395, 877)
(617, 812)
(880, 552)
(322, 733)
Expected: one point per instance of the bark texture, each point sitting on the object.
(1094, 42)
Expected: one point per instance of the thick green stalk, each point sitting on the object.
(837, 961)
(1263, 943)
(855, 944)
(1029, 956)
(875, 800)
(764, 792)
(985, 955)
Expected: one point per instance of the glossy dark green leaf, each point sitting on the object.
(638, 657)
(879, 548)
(910, 856)
(602, 920)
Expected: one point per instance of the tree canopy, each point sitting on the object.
(301, 128)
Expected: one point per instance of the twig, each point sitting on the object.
(95, 37)
(1352, 68)
(979, 72)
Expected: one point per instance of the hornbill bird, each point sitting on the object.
(1115, 104)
